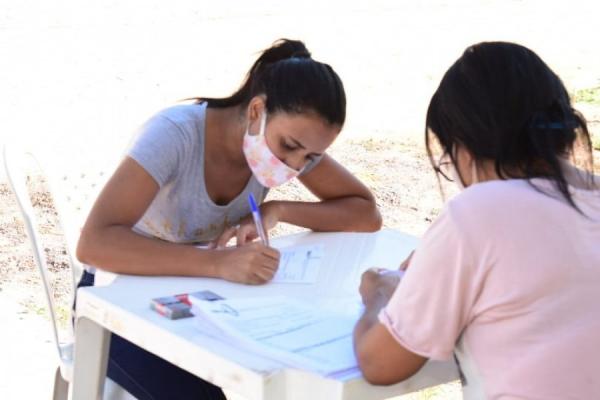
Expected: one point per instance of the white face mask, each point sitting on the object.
(269, 170)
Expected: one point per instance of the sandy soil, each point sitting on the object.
(397, 170)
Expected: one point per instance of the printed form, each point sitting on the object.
(290, 331)
(299, 264)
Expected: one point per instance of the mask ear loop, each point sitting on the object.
(457, 176)
(263, 123)
(474, 175)
(261, 127)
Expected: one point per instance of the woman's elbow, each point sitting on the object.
(378, 374)
(376, 220)
(85, 248)
(372, 370)
(382, 365)
(372, 220)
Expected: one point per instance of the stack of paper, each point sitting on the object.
(292, 332)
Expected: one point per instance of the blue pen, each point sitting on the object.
(258, 220)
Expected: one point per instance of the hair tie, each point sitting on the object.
(543, 123)
(551, 126)
(556, 125)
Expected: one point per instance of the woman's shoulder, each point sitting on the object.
(174, 133)
(182, 114)
(185, 122)
(497, 199)
(491, 192)
(514, 199)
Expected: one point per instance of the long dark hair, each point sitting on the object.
(503, 103)
(292, 82)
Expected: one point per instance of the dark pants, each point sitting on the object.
(148, 377)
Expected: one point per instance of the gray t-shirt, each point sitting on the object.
(170, 147)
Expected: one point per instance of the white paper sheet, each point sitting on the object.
(295, 333)
(299, 264)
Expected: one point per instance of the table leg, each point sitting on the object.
(90, 360)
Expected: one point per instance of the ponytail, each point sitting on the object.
(292, 82)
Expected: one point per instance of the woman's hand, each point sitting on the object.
(251, 264)
(246, 230)
(378, 285)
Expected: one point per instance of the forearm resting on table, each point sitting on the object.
(118, 249)
(382, 360)
(343, 214)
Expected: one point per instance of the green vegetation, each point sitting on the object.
(589, 95)
(596, 142)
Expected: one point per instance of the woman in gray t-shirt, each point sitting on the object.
(187, 177)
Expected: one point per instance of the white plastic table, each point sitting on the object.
(123, 307)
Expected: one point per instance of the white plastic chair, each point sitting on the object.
(15, 166)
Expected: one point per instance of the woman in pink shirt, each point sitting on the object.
(507, 279)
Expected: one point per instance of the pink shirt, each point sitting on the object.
(508, 280)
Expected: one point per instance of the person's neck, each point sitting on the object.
(486, 171)
(225, 129)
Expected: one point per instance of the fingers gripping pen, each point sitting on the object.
(258, 220)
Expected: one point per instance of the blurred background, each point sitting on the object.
(79, 76)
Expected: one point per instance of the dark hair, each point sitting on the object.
(503, 103)
(292, 82)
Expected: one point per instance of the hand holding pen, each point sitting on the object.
(250, 263)
(256, 215)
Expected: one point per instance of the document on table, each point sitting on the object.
(290, 331)
(299, 264)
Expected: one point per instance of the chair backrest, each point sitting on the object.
(73, 193)
(15, 166)
(72, 196)
(74, 204)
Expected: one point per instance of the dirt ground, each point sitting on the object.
(396, 170)
(408, 201)
(78, 77)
